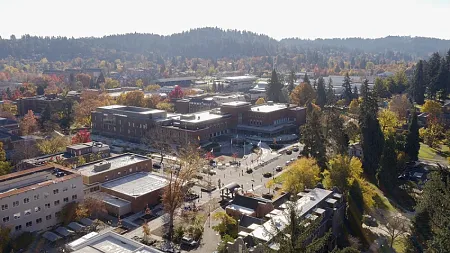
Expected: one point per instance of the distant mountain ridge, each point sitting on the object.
(207, 43)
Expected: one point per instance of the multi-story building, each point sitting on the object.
(31, 200)
(239, 83)
(200, 103)
(90, 151)
(326, 207)
(124, 183)
(38, 103)
(135, 123)
(181, 81)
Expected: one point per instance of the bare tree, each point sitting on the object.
(395, 227)
(190, 160)
(156, 140)
(24, 150)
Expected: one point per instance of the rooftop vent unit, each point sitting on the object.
(270, 102)
(102, 166)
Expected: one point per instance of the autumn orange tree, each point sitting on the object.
(85, 80)
(302, 94)
(190, 160)
(88, 104)
(29, 124)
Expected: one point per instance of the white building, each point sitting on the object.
(239, 83)
(31, 200)
(109, 242)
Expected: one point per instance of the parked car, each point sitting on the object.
(295, 149)
(279, 168)
(288, 162)
(289, 152)
(188, 241)
(292, 159)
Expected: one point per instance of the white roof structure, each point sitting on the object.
(109, 242)
(278, 222)
(137, 184)
(269, 107)
(116, 162)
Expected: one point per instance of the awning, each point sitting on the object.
(51, 236)
(231, 186)
(76, 226)
(86, 221)
(63, 231)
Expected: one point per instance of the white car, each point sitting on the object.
(288, 162)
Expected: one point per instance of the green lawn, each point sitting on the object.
(426, 152)
(400, 245)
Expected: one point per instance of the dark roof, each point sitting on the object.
(248, 202)
(246, 221)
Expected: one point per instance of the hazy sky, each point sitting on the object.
(276, 18)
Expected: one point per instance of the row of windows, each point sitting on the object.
(37, 209)
(38, 221)
(256, 122)
(279, 121)
(35, 197)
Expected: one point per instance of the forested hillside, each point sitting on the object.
(211, 43)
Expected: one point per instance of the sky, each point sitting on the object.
(308, 19)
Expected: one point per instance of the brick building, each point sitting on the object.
(238, 117)
(38, 103)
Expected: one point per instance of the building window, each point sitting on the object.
(37, 209)
(15, 203)
(47, 205)
(38, 220)
(29, 224)
(17, 216)
(4, 207)
(36, 197)
(74, 197)
(65, 189)
(27, 212)
(56, 202)
(48, 217)
(19, 227)
(55, 191)
(57, 214)
(46, 195)
(6, 219)
(66, 200)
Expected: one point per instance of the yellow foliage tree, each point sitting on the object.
(152, 87)
(432, 107)
(388, 121)
(342, 171)
(139, 83)
(165, 106)
(354, 107)
(132, 98)
(302, 94)
(54, 145)
(303, 173)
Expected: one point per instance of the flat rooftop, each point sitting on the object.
(116, 162)
(268, 108)
(87, 144)
(26, 180)
(240, 78)
(133, 109)
(199, 117)
(137, 184)
(304, 205)
(112, 243)
(236, 103)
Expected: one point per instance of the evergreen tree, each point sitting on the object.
(46, 115)
(419, 83)
(355, 209)
(67, 114)
(331, 96)
(321, 99)
(372, 139)
(412, 139)
(387, 172)
(347, 89)
(306, 79)
(355, 92)
(274, 88)
(420, 232)
(379, 89)
(335, 132)
(100, 79)
(312, 137)
(442, 80)
(291, 81)
(434, 64)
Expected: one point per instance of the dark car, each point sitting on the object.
(278, 168)
(289, 152)
(295, 149)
